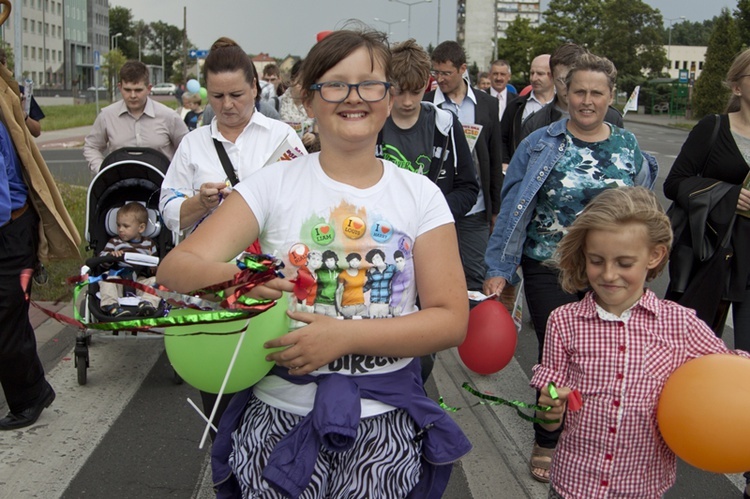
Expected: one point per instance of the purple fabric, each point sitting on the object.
(333, 423)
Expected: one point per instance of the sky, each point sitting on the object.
(283, 27)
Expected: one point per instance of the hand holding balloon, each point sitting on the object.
(323, 340)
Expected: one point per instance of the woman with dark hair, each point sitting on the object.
(197, 181)
(343, 413)
(708, 180)
(238, 142)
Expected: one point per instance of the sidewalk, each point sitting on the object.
(657, 119)
(62, 139)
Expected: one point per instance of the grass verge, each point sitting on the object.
(56, 289)
(62, 117)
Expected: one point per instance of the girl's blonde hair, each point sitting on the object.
(609, 211)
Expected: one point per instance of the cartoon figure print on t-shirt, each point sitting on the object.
(353, 265)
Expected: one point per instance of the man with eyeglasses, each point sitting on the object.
(560, 63)
(474, 109)
(542, 92)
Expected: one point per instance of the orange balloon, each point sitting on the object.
(703, 411)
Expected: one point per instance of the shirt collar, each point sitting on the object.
(649, 302)
(148, 110)
(257, 119)
(440, 97)
(497, 94)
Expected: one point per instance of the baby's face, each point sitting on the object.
(128, 227)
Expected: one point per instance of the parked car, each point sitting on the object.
(164, 89)
(101, 89)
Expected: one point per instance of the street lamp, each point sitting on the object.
(389, 23)
(410, 5)
(669, 42)
(112, 46)
(113, 41)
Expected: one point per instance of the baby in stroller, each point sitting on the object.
(132, 220)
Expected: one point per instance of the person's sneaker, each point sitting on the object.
(116, 311)
(146, 309)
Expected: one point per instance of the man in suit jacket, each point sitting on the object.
(473, 108)
(499, 79)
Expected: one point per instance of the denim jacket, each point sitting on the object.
(529, 168)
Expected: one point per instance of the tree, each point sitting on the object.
(628, 32)
(121, 21)
(141, 32)
(172, 39)
(113, 61)
(742, 16)
(574, 21)
(710, 94)
(689, 33)
(631, 38)
(519, 47)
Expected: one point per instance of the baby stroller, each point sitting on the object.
(126, 175)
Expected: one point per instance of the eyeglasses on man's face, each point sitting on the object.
(337, 91)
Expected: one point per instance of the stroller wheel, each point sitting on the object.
(81, 366)
(81, 359)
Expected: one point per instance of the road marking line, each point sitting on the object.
(41, 461)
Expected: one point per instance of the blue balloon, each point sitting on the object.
(193, 86)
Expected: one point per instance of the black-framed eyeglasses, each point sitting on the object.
(437, 74)
(337, 91)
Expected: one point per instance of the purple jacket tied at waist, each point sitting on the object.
(333, 424)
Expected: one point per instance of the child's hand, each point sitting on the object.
(322, 341)
(271, 290)
(116, 253)
(558, 405)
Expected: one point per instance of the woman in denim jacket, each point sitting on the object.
(553, 174)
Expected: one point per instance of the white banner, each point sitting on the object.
(632, 104)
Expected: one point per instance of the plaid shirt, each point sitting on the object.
(379, 283)
(612, 446)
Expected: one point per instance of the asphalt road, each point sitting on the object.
(130, 432)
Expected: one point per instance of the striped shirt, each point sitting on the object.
(145, 246)
(612, 446)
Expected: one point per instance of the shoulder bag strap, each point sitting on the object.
(714, 134)
(226, 162)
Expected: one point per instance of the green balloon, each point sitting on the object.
(203, 93)
(202, 359)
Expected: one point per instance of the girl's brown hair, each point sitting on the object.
(609, 211)
(338, 46)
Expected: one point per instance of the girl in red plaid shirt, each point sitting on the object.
(616, 348)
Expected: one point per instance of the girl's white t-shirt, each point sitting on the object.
(355, 247)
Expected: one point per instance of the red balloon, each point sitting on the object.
(323, 34)
(490, 339)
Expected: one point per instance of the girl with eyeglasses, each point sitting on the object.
(343, 412)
